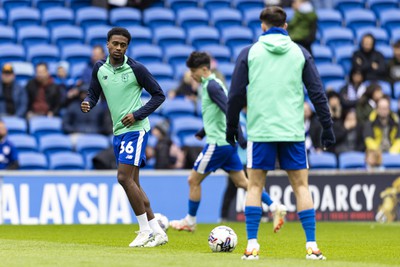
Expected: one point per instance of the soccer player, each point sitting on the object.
(121, 79)
(217, 153)
(269, 77)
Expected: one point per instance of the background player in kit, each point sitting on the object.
(121, 79)
(270, 75)
(217, 153)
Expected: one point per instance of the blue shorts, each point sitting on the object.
(262, 155)
(130, 148)
(214, 157)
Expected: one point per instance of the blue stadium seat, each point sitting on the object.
(386, 50)
(161, 71)
(396, 88)
(146, 53)
(380, 5)
(236, 52)
(97, 35)
(335, 37)
(359, 18)
(91, 143)
(335, 85)
(3, 17)
(211, 5)
(76, 53)
(192, 141)
(154, 120)
(32, 161)
(66, 161)
(252, 18)
(192, 17)
(67, 35)
(237, 36)
(345, 5)
(328, 18)
(15, 125)
(390, 19)
(40, 126)
(33, 35)
(226, 69)
(386, 86)
(91, 16)
(11, 4)
(45, 4)
(23, 71)
(180, 70)
(7, 35)
(390, 161)
(23, 16)
(140, 35)
(289, 13)
(57, 16)
(203, 35)
(54, 143)
(352, 160)
(78, 4)
(24, 142)
(321, 53)
(76, 70)
(226, 17)
(394, 105)
(343, 56)
(186, 126)
(11, 52)
(43, 53)
(381, 36)
(220, 53)
(156, 17)
(323, 160)
(169, 35)
(125, 17)
(244, 5)
(174, 108)
(177, 5)
(177, 54)
(168, 85)
(395, 35)
(329, 72)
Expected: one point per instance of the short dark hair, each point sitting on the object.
(119, 31)
(43, 64)
(397, 44)
(198, 59)
(273, 16)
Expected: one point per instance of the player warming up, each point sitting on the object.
(269, 77)
(121, 79)
(217, 153)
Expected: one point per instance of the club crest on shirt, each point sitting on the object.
(105, 77)
(125, 77)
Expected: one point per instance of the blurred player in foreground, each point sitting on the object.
(269, 75)
(217, 154)
(121, 79)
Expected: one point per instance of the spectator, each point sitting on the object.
(97, 54)
(367, 102)
(373, 159)
(382, 132)
(353, 90)
(350, 136)
(44, 96)
(312, 129)
(8, 153)
(394, 64)
(167, 154)
(75, 122)
(336, 112)
(61, 78)
(281, 3)
(371, 62)
(303, 26)
(187, 88)
(13, 97)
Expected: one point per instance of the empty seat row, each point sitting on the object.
(57, 161)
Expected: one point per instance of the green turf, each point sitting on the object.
(344, 244)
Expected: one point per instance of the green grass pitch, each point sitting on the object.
(344, 244)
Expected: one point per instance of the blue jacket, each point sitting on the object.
(20, 98)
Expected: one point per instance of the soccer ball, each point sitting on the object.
(222, 239)
(162, 221)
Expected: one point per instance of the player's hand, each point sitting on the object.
(128, 120)
(327, 138)
(200, 134)
(85, 106)
(232, 134)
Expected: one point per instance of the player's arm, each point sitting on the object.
(237, 95)
(94, 91)
(317, 95)
(149, 83)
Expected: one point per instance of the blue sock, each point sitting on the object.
(193, 207)
(266, 198)
(253, 217)
(307, 218)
